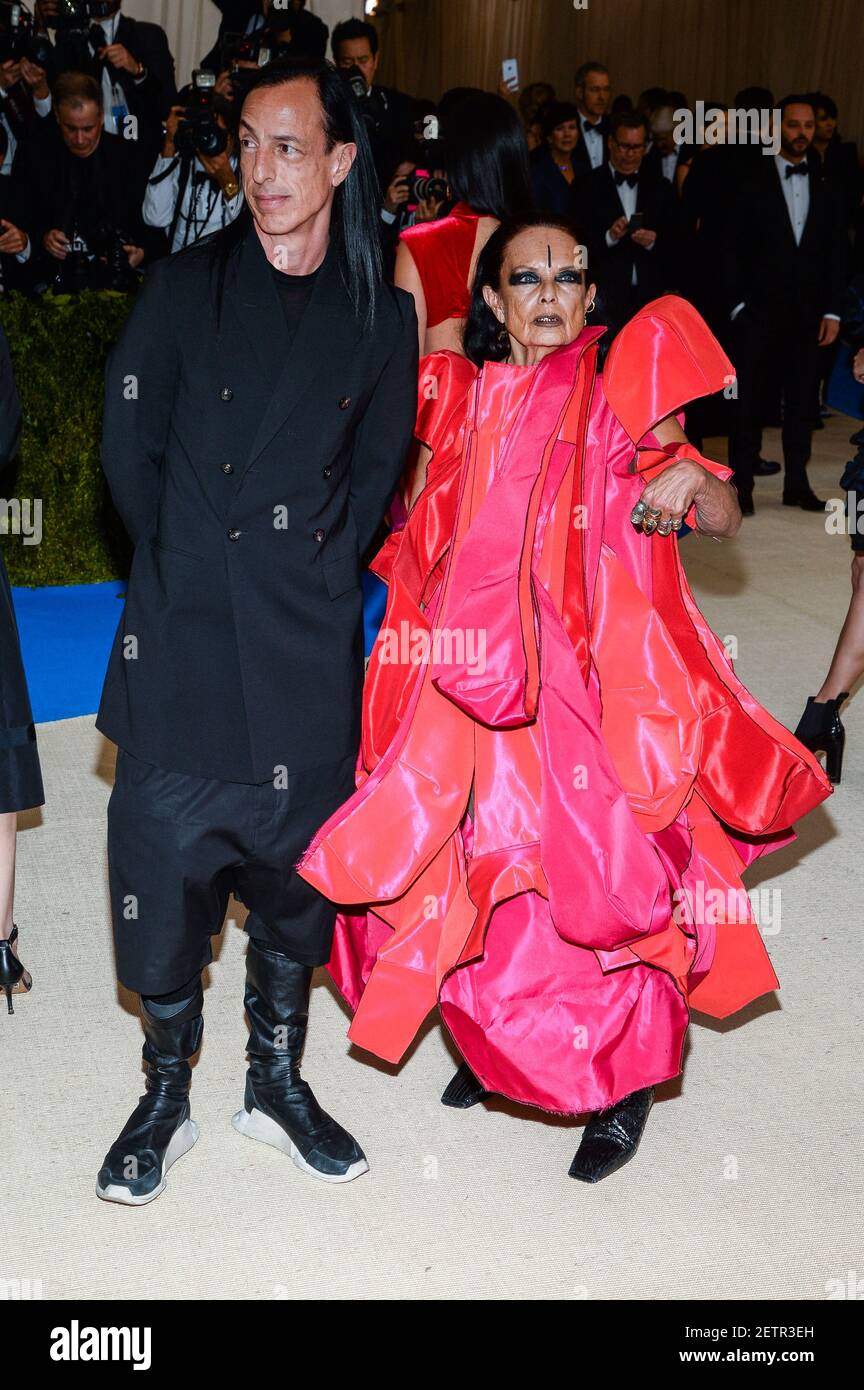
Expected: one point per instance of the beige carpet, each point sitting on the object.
(748, 1181)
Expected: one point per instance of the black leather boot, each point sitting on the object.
(464, 1090)
(612, 1137)
(820, 729)
(159, 1130)
(279, 1107)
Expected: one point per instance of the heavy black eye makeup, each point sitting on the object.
(566, 276)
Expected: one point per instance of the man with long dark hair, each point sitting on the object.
(258, 409)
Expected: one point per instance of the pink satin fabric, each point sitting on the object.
(531, 832)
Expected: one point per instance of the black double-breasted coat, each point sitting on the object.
(252, 482)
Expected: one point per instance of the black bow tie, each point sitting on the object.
(796, 169)
(591, 125)
(631, 179)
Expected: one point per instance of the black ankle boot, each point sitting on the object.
(159, 1130)
(464, 1090)
(279, 1107)
(612, 1137)
(820, 729)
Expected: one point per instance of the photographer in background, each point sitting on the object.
(416, 192)
(387, 113)
(24, 94)
(130, 59)
(78, 193)
(14, 253)
(194, 188)
(241, 18)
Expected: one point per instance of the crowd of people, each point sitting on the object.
(106, 168)
(304, 237)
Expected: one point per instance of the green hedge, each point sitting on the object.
(59, 345)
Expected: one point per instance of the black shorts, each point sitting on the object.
(179, 845)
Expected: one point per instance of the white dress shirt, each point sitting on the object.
(203, 206)
(796, 191)
(593, 137)
(627, 197)
(668, 165)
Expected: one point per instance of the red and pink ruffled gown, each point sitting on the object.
(559, 767)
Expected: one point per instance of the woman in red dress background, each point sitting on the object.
(487, 172)
(561, 778)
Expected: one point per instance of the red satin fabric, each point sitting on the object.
(536, 833)
(442, 251)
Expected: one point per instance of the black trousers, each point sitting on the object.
(765, 343)
(179, 845)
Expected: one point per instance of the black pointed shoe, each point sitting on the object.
(160, 1129)
(464, 1090)
(805, 498)
(13, 976)
(279, 1107)
(612, 1137)
(765, 468)
(821, 730)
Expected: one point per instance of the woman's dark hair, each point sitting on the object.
(485, 339)
(486, 155)
(354, 226)
(822, 102)
(555, 113)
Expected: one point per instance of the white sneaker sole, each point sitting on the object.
(181, 1143)
(259, 1126)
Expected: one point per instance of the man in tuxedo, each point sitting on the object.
(784, 271)
(629, 221)
(593, 95)
(129, 58)
(258, 410)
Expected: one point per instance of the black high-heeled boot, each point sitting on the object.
(612, 1137)
(820, 729)
(12, 972)
(279, 1107)
(464, 1090)
(159, 1130)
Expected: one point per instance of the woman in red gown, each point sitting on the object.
(561, 778)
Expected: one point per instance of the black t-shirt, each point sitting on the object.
(294, 292)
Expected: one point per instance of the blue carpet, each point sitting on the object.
(66, 635)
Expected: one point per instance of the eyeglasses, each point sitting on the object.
(634, 149)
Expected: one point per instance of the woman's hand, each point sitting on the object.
(669, 496)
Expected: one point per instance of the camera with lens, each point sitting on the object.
(78, 14)
(199, 132)
(113, 269)
(368, 103)
(255, 50)
(424, 187)
(19, 38)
